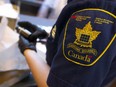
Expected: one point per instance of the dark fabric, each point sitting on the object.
(82, 53)
(68, 1)
(111, 74)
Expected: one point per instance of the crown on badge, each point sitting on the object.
(85, 36)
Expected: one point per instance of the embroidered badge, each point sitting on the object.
(84, 34)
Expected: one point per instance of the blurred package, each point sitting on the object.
(10, 55)
(13, 66)
(11, 12)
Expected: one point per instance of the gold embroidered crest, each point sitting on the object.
(85, 36)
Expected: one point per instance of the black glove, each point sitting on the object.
(36, 31)
(25, 44)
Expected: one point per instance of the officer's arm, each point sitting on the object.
(38, 66)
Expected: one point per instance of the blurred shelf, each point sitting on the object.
(26, 82)
(9, 78)
(36, 20)
(28, 7)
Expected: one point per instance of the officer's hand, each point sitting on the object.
(36, 31)
(25, 44)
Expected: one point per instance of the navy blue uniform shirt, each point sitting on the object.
(81, 48)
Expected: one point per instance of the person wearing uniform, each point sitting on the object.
(80, 49)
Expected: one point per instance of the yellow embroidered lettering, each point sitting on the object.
(101, 21)
(79, 57)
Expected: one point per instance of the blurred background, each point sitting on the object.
(14, 71)
(42, 13)
(40, 8)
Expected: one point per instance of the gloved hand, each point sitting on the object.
(36, 31)
(26, 44)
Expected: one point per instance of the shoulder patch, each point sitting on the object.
(85, 37)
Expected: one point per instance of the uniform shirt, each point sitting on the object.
(82, 44)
